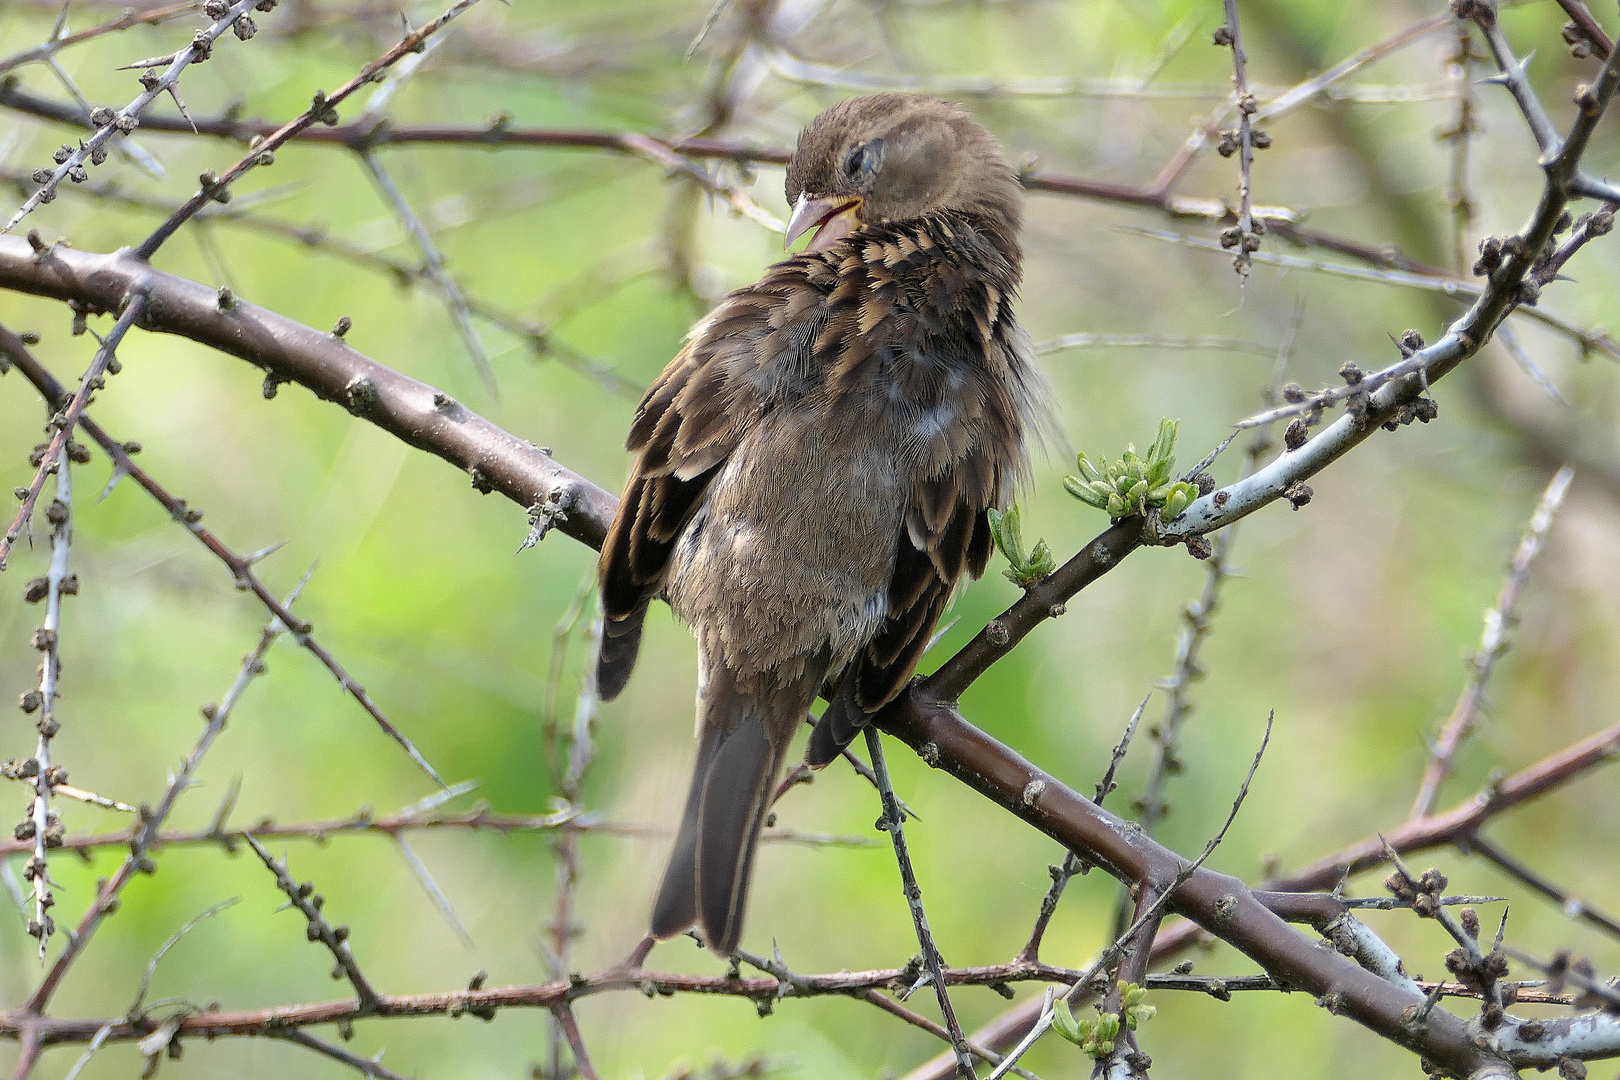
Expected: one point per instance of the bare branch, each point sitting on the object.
(125, 120)
(241, 567)
(1492, 644)
(933, 965)
(66, 418)
(336, 938)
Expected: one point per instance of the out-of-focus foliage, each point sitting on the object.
(1351, 617)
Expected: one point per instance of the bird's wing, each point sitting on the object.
(945, 540)
(685, 428)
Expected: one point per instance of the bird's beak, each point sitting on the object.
(837, 215)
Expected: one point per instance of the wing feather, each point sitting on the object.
(686, 427)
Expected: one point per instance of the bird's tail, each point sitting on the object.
(744, 738)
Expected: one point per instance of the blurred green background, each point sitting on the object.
(1351, 618)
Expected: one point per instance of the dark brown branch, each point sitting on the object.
(1571, 904)
(1582, 17)
(1459, 824)
(291, 352)
(370, 136)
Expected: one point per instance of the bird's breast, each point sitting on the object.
(793, 547)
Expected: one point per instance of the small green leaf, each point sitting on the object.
(1007, 531)
(1164, 446)
(1133, 484)
(1067, 1026)
(1041, 563)
(1084, 491)
(1004, 529)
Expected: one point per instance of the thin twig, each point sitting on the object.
(1244, 236)
(241, 567)
(1573, 906)
(576, 1042)
(1071, 862)
(321, 109)
(59, 41)
(46, 823)
(933, 965)
(174, 939)
(139, 859)
(1493, 643)
(63, 421)
(1147, 914)
(434, 267)
(126, 119)
(1586, 338)
(1581, 16)
(367, 1066)
(1153, 341)
(335, 938)
(1460, 135)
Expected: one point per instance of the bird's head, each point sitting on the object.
(896, 157)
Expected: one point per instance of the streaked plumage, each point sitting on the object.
(814, 467)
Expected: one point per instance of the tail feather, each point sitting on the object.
(838, 725)
(735, 799)
(744, 739)
(676, 906)
(621, 641)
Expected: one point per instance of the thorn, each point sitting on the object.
(174, 92)
(264, 553)
(922, 980)
(118, 473)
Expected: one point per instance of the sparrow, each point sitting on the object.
(813, 469)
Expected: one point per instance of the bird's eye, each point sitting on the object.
(863, 161)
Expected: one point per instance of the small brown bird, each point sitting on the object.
(814, 467)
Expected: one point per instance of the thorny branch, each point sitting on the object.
(43, 825)
(107, 123)
(927, 719)
(323, 109)
(302, 895)
(63, 421)
(1492, 644)
(29, 1021)
(1245, 140)
(14, 350)
(933, 964)
(1394, 395)
(59, 41)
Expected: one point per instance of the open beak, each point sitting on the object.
(836, 215)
